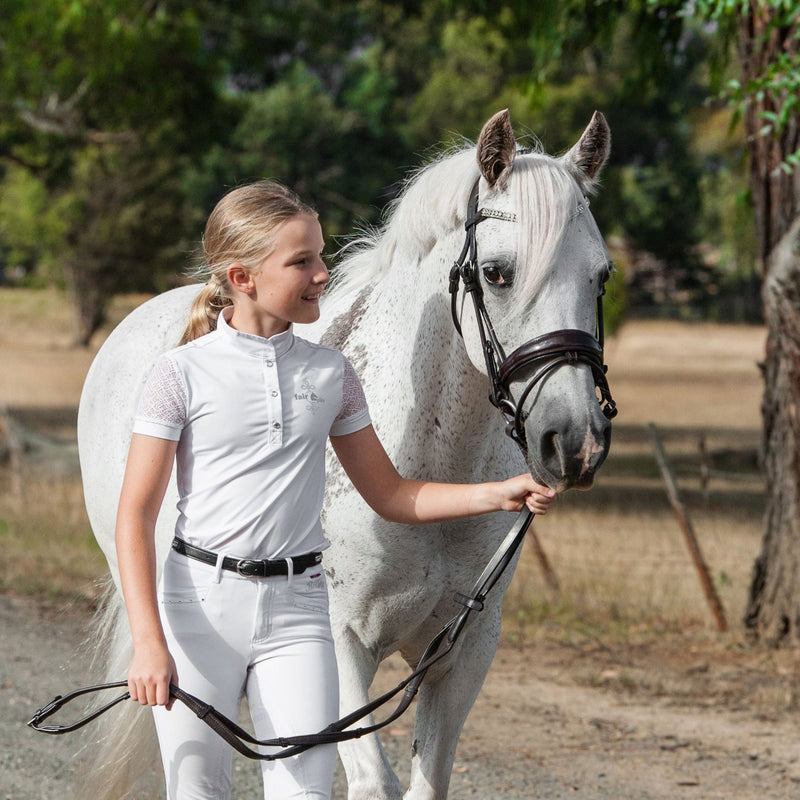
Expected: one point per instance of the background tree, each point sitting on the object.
(132, 118)
(101, 102)
(769, 93)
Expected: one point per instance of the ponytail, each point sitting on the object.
(205, 310)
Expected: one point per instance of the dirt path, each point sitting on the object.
(674, 719)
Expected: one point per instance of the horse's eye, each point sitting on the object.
(494, 276)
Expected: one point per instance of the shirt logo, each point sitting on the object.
(308, 394)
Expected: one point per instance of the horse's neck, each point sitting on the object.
(428, 401)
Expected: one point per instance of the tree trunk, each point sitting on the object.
(89, 299)
(773, 613)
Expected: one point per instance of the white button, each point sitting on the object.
(269, 363)
(274, 393)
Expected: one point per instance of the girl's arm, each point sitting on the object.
(146, 477)
(400, 499)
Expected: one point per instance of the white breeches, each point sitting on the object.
(266, 638)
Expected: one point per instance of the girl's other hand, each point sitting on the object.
(151, 672)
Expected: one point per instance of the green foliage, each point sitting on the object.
(293, 131)
(777, 76)
(337, 158)
(465, 78)
(100, 102)
(725, 224)
(121, 123)
(123, 211)
(31, 228)
(615, 301)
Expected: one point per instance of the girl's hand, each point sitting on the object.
(523, 490)
(151, 672)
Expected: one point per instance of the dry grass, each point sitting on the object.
(41, 366)
(617, 550)
(630, 566)
(48, 547)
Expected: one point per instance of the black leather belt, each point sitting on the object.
(247, 566)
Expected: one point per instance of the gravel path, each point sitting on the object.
(534, 733)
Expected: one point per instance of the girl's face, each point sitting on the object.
(286, 286)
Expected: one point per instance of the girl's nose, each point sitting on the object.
(322, 275)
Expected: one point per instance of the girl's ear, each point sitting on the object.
(240, 278)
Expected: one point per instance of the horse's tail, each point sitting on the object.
(120, 746)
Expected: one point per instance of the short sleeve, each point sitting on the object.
(162, 404)
(355, 413)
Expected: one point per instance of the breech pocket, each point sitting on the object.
(309, 591)
(184, 582)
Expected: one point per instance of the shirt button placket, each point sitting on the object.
(273, 398)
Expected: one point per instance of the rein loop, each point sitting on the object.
(338, 731)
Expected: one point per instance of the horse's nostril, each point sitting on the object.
(549, 446)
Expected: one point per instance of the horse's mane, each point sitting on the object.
(433, 204)
(412, 223)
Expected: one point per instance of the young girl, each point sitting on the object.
(242, 605)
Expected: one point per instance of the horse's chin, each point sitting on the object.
(583, 483)
(561, 483)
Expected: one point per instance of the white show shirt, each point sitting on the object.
(251, 417)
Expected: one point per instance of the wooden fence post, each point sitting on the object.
(549, 575)
(682, 515)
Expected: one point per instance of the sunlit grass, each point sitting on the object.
(622, 561)
(47, 544)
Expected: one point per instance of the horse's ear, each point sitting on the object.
(587, 157)
(496, 147)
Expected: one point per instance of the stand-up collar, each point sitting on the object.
(251, 344)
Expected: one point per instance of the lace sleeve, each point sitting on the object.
(162, 405)
(355, 413)
(353, 398)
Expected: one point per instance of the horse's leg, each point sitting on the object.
(369, 774)
(443, 707)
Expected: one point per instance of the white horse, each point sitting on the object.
(541, 265)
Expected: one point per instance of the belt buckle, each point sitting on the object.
(247, 568)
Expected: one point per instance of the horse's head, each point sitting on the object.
(535, 264)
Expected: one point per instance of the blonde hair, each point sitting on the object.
(240, 229)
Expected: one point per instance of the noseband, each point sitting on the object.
(543, 354)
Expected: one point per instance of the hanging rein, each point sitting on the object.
(543, 354)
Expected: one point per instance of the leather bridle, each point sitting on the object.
(543, 354)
